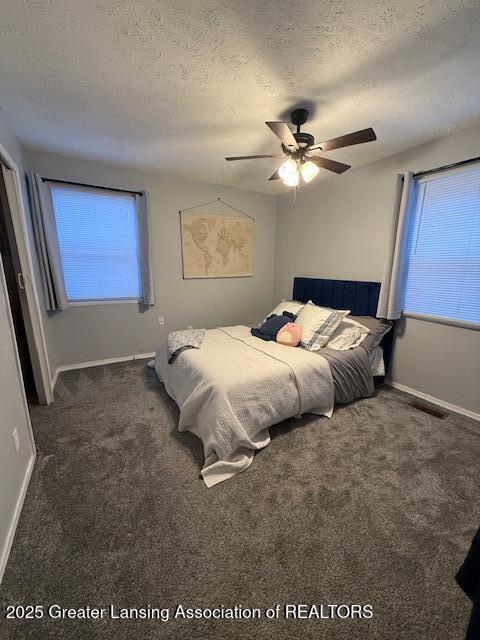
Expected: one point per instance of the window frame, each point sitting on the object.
(452, 322)
(98, 301)
(73, 302)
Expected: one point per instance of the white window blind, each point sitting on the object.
(442, 270)
(98, 238)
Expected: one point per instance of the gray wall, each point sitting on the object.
(13, 466)
(339, 230)
(95, 332)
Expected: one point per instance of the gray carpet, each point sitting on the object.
(375, 506)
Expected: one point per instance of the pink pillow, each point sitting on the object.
(289, 335)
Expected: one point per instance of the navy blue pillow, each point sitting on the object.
(272, 325)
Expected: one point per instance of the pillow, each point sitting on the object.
(378, 328)
(286, 305)
(272, 325)
(289, 335)
(318, 324)
(347, 335)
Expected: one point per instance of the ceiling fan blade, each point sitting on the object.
(283, 133)
(251, 157)
(357, 137)
(331, 165)
(274, 176)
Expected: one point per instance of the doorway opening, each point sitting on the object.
(15, 289)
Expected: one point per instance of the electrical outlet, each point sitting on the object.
(190, 327)
(16, 439)
(161, 320)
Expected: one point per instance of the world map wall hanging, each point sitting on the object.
(216, 246)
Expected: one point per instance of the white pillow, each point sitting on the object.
(347, 335)
(318, 324)
(286, 305)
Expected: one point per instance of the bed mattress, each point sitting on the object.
(351, 372)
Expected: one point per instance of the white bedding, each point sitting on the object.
(236, 386)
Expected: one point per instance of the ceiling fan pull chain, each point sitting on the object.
(295, 191)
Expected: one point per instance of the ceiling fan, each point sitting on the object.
(299, 146)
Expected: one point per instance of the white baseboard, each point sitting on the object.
(16, 515)
(97, 363)
(433, 400)
(54, 379)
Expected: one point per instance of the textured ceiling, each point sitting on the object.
(176, 86)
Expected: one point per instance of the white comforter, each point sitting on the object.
(236, 386)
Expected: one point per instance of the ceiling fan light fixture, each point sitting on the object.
(292, 179)
(296, 147)
(309, 170)
(289, 168)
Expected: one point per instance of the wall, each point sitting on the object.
(14, 467)
(96, 332)
(339, 230)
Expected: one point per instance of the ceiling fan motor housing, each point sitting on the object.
(304, 139)
(299, 117)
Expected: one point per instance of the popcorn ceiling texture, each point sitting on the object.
(176, 86)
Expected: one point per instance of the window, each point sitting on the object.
(442, 270)
(99, 246)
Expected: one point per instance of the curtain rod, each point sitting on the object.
(92, 186)
(446, 166)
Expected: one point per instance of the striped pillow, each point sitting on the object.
(318, 324)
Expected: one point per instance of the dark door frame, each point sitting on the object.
(30, 298)
(13, 278)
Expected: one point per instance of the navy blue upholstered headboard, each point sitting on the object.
(360, 297)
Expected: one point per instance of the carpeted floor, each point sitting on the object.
(375, 506)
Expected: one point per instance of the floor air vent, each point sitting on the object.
(433, 412)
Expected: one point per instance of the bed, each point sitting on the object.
(236, 386)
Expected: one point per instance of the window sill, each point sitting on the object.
(463, 324)
(89, 303)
